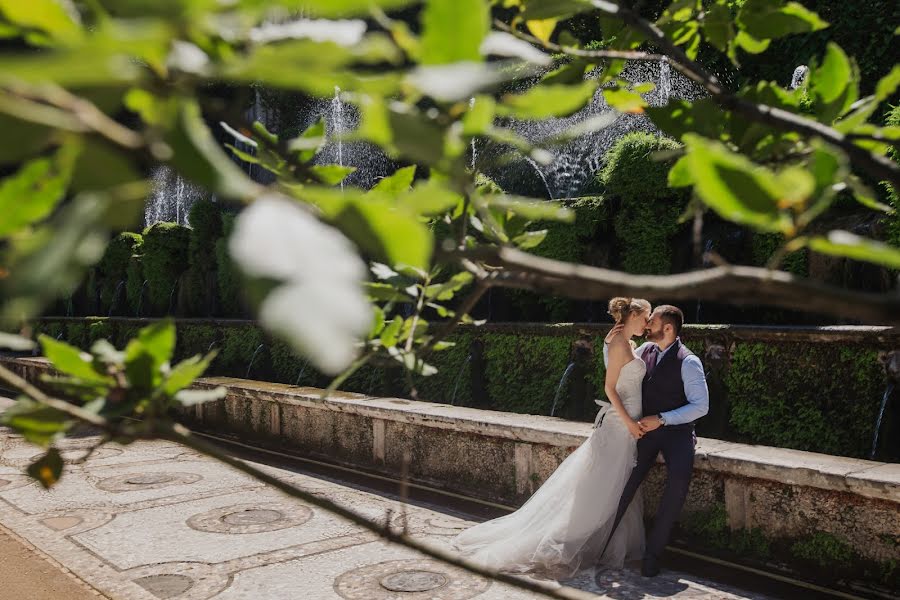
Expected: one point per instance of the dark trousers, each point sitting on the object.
(677, 446)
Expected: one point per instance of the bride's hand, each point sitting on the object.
(634, 429)
(616, 330)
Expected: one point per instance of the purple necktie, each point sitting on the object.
(651, 360)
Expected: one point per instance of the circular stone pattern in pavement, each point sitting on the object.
(251, 518)
(416, 579)
(165, 586)
(131, 482)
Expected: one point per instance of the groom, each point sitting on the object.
(674, 397)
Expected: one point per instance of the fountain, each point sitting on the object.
(253, 359)
(577, 161)
(459, 375)
(562, 382)
(115, 298)
(301, 373)
(171, 198)
(892, 370)
(140, 302)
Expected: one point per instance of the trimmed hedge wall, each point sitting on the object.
(817, 395)
(165, 258)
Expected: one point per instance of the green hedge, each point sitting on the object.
(892, 222)
(818, 397)
(112, 271)
(199, 295)
(165, 258)
(634, 182)
(227, 276)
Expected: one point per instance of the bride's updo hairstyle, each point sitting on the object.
(621, 308)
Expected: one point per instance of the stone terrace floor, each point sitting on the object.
(155, 520)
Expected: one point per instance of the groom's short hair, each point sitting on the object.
(671, 315)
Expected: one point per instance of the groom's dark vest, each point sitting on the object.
(663, 389)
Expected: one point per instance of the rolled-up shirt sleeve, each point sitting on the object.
(694, 380)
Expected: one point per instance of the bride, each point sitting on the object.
(564, 526)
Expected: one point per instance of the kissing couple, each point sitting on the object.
(589, 512)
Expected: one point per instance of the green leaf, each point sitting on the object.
(31, 194)
(48, 16)
(199, 157)
(624, 100)
(445, 291)
(331, 8)
(769, 19)
(453, 31)
(680, 174)
(429, 198)
(184, 373)
(865, 196)
(834, 75)
(558, 9)
(531, 209)
(734, 187)
(194, 397)
(70, 360)
(416, 137)
(551, 100)
(37, 423)
(47, 469)
(148, 352)
(718, 25)
(378, 322)
(678, 117)
(331, 174)
(480, 116)
(750, 44)
(529, 239)
(310, 141)
(391, 333)
(846, 244)
(386, 292)
(17, 343)
(387, 233)
(399, 181)
(887, 85)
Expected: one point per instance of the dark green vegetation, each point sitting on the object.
(821, 556)
(826, 398)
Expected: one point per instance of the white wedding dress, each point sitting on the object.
(562, 528)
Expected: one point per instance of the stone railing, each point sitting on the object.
(782, 495)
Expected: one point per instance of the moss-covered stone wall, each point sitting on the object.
(808, 389)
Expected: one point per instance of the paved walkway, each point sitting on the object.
(154, 520)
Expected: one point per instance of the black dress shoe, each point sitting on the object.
(650, 567)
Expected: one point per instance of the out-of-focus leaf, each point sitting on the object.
(548, 100)
(416, 137)
(559, 9)
(200, 158)
(887, 84)
(446, 290)
(194, 397)
(680, 174)
(332, 8)
(47, 469)
(71, 361)
(734, 187)
(156, 340)
(624, 100)
(102, 166)
(718, 25)
(542, 29)
(462, 80)
(398, 182)
(384, 292)
(453, 31)
(48, 16)
(530, 239)
(500, 43)
(480, 116)
(769, 19)
(32, 193)
(846, 244)
(531, 209)
(310, 141)
(388, 234)
(184, 373)
(679, 116)
(750, 44)
(331, 174)
(37, 423)
(834, 84)
(391, 333)
(865, 196)
(17, 343)
(428, 198)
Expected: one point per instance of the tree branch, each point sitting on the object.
(727, 284)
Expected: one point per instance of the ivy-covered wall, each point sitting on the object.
(808, 390)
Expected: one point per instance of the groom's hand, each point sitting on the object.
(649, 423)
